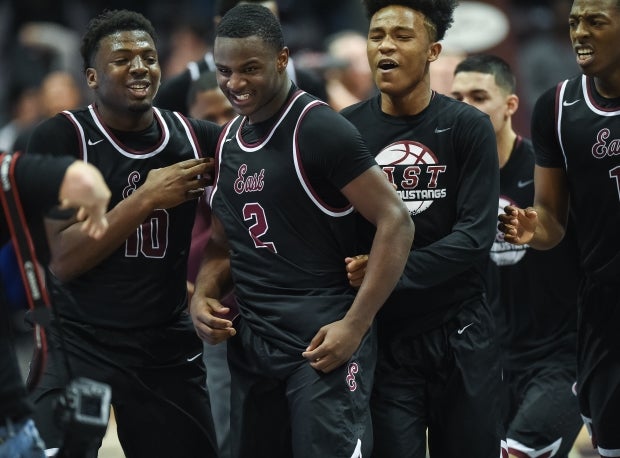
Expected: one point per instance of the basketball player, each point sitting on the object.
(438, 365)
(290, 173)
(533, 294)
(173, 92)
(575, 131)
(121, 301)
(59, 180)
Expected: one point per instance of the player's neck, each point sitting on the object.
(409, 104)
(126, 121)
(505, 144)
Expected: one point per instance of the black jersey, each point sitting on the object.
(576, 129)
(533, 293)
(142, 283)
(444, 164)
(277, 193)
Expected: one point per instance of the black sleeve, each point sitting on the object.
(172, 94)
(38, 179)
(207, 134)
(474, 229)
(55, 136)
(544, 132)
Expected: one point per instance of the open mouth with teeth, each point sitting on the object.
(584, 55)
(386, 64)
(139, 88)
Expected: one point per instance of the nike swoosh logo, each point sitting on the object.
(438, 130)
(462, 330)
(568, 104)
(227, 140)
(523, 184)
(91, 143)
(194, 358)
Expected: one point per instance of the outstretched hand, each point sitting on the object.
(518, 225)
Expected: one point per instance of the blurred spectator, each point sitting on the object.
(59, 91)
(546, 57)
(350, 80)
(24, 110)
(187, 42)
(442, 70)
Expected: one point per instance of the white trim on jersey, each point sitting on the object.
(78, 126)
(300, 175)
(550, 450)
(271, 132)
(592, 103)
(558, 127)
(120, 149)
(188, 132)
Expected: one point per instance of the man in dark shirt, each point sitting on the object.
(438, 366)
(58, 180)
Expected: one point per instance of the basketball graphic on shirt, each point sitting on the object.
(502, 252)
(414, 169)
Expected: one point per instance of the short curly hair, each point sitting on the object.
(108, 23)
(250, 19)
(439, 13)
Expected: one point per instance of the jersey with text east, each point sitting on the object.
(574, 128)
(142, 282)
(277, 193)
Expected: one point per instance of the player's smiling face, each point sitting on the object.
(399, 49)
(251, 73)
(125, 73)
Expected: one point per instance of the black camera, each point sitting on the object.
(82, 412)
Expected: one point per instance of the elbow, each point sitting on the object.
(61, 272)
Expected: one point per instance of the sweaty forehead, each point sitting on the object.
(227, 49)
(127, 39)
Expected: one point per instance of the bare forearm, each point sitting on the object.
(74, 253)
(386, 261)
(549, 231)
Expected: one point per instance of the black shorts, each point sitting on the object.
(282, 407)
(157, 378)
(598, 365)
(544, 412)
(447, 380)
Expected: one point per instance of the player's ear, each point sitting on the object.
(434, 50)
(91, 78)
(512, 104)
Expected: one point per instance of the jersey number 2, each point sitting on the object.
(254, 212)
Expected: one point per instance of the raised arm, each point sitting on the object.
(73, 252)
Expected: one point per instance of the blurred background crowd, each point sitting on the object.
(41, 74)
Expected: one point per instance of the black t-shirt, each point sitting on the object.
(533, 293)
(445, 166)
